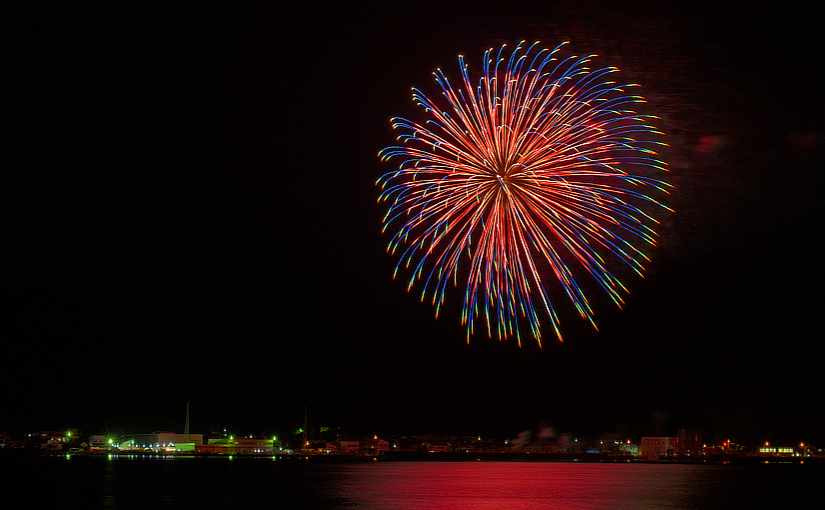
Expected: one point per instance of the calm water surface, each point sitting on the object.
(56, 482)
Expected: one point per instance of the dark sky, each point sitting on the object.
(193, 217)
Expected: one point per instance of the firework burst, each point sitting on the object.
(541, 171)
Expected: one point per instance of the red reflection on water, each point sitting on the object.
(513, 485)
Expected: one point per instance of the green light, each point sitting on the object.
(274, 439)
(231, 438)
(109, 457)
(68, 457)
(111, 441)
(69, 433)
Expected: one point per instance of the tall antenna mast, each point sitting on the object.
(186, 426)
(306, 425)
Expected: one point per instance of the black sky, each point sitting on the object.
(193, 217)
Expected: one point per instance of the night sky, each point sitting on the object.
(193, 217)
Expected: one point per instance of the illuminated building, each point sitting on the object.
(319, 447)
(163, 441)
(653, 448)
(373, 445)
(240, 446)
(49, 440)
(612, 445)
(776, 451)
(726, 448)
(101, 442)
(629, 449)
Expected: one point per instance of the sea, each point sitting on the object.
(124, 482)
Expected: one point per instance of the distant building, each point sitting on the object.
(777, 451)
(613, 445)
(436, 446)
(408, 444)
(48, 439)
(186, 447)
(544, 443)
(168, 441)
(100, 441)
(374, 446)
(654, 448)
(319, 447)
(237, 446)
(348, 447)
(690, 442)
(479, 444)
(726, 448)
(566, 443)
(629, 449)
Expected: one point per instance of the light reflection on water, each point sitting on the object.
(127, 482)
(516, 486)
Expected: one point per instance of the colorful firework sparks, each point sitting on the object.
(542, 171)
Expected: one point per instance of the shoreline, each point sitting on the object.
(359, 459)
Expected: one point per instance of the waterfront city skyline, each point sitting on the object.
(197, 222)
